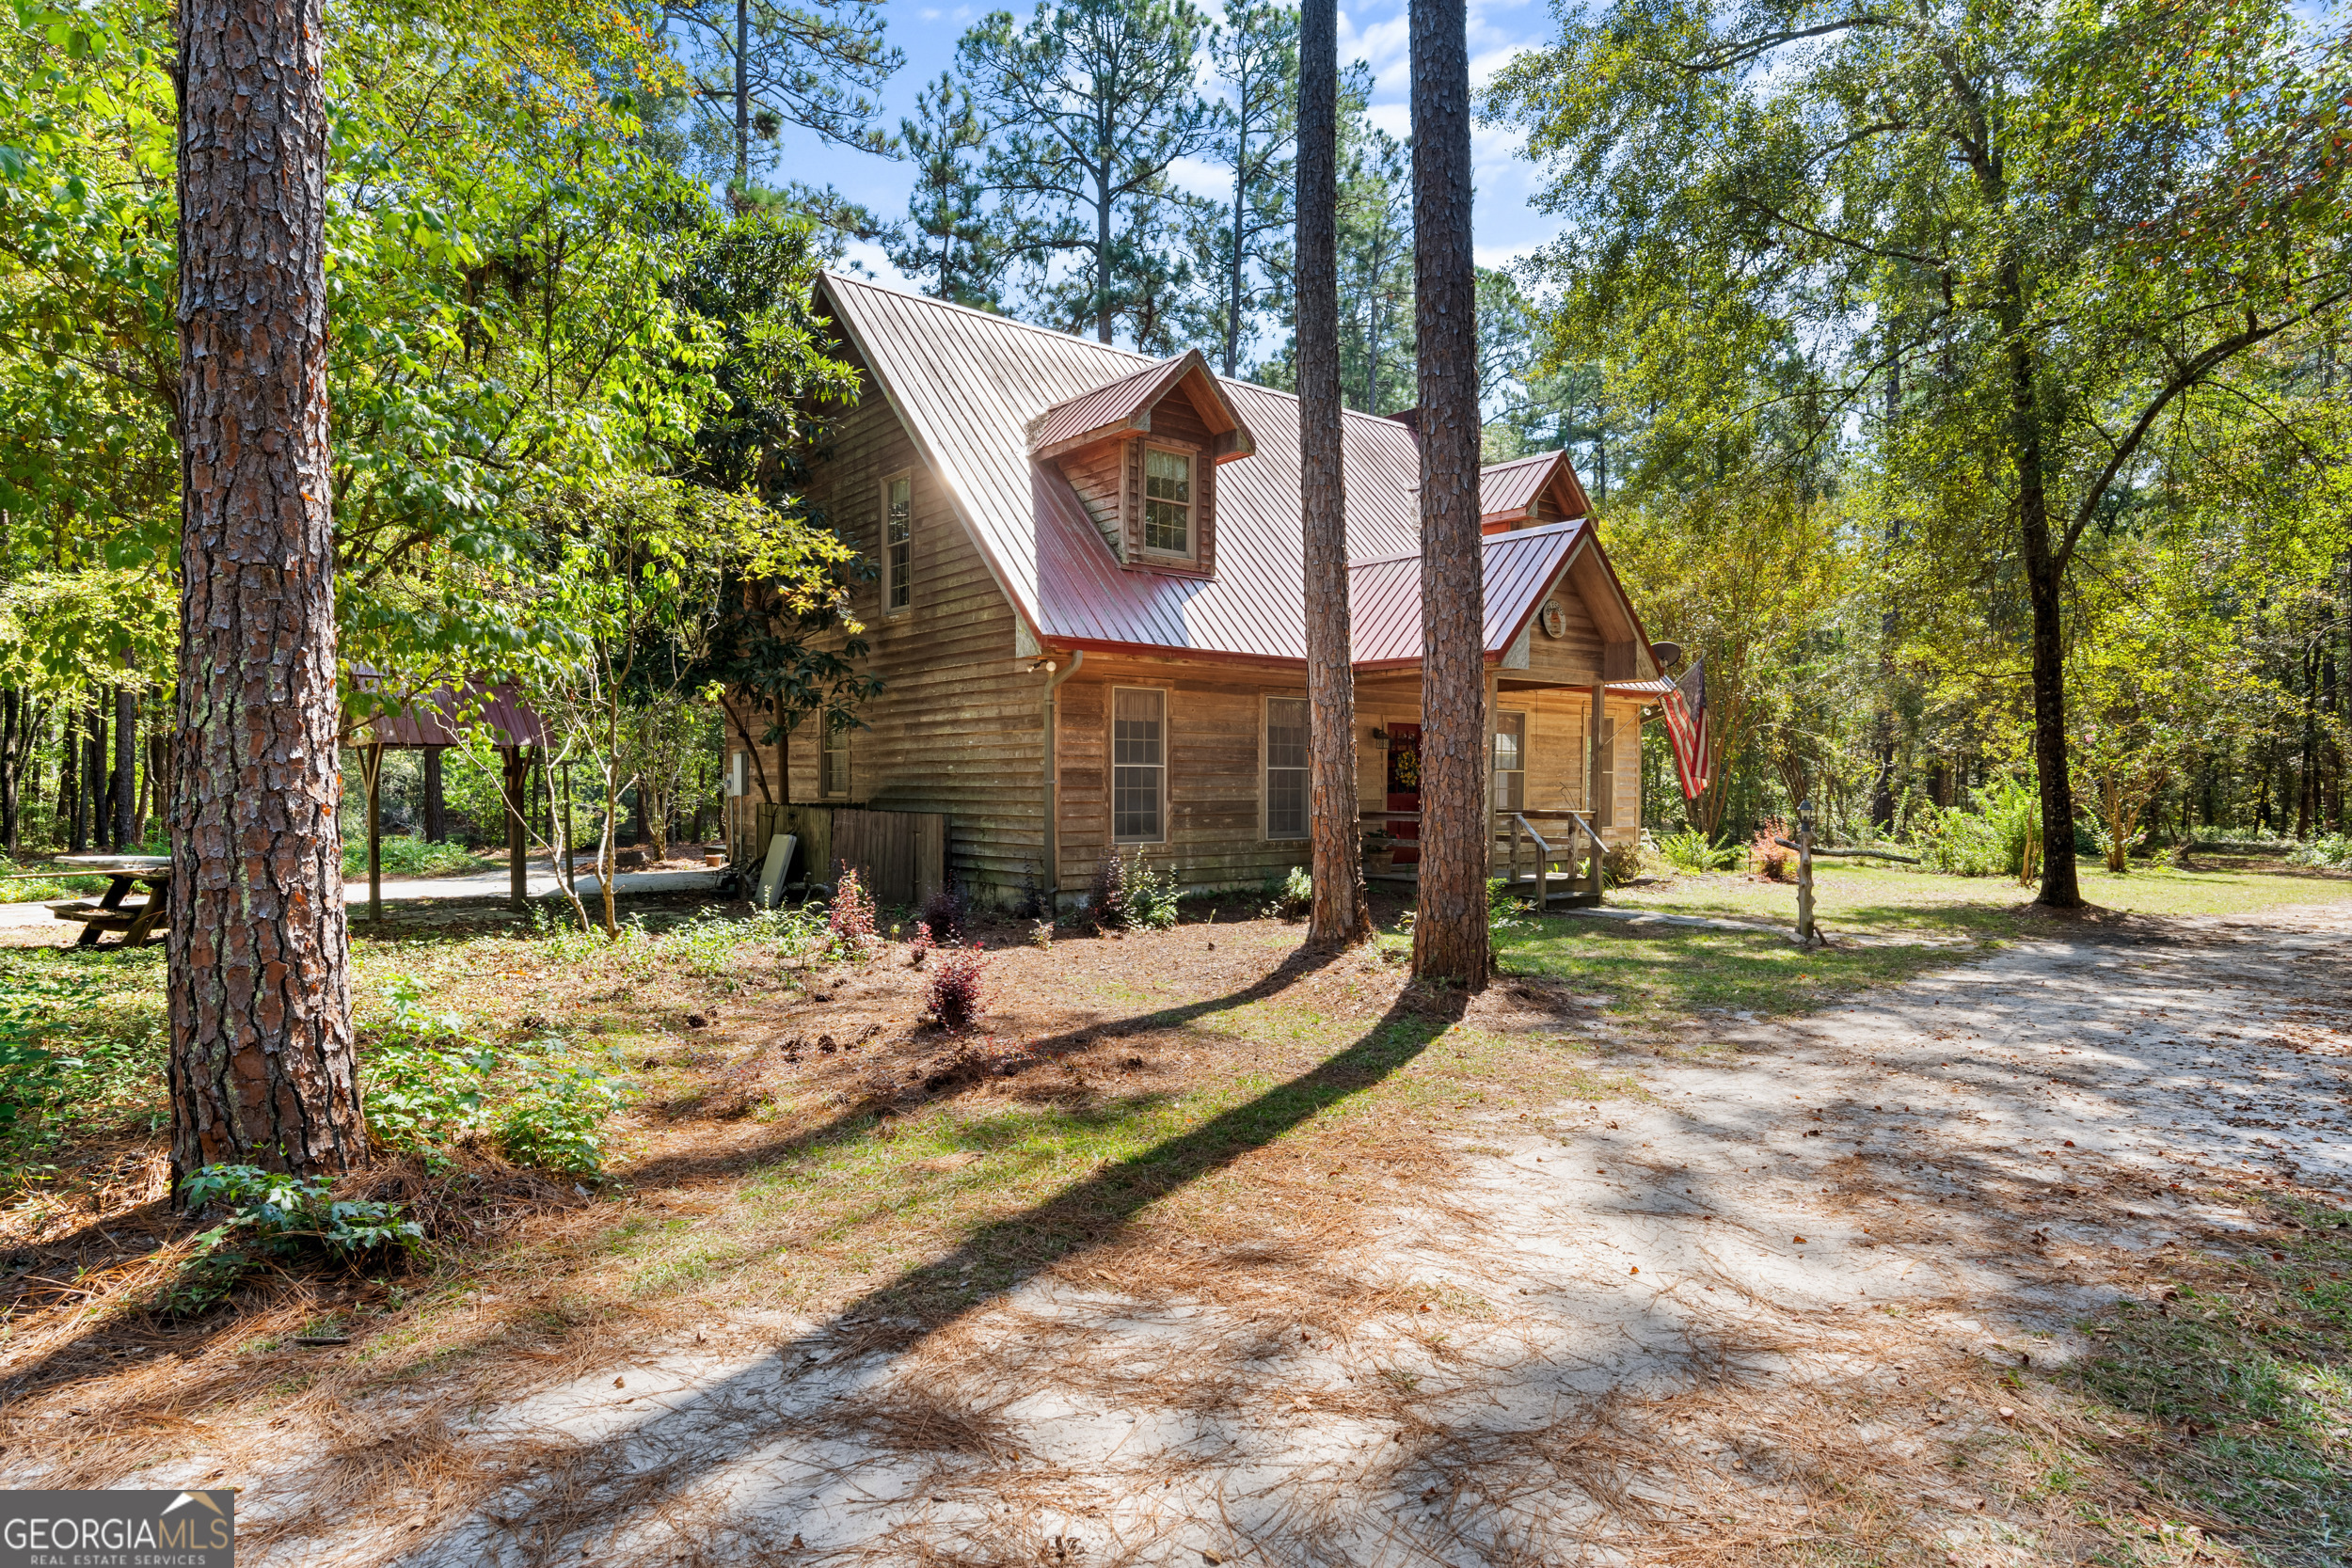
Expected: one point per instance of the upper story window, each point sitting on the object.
(1167, 520)
(899, 542)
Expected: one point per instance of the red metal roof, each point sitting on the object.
(440, 716)
(1509, 489)
(1384, 597)
(972, 388)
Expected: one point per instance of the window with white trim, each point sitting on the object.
(1167, 520)
(898, 542)
(1286, 764)
(832, 771)
(1138, 765)
(1510, 763)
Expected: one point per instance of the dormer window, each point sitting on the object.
(1168, 501)
(1140, 456)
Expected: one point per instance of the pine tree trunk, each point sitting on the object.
(1450, 924)
(127, 822)
(95, 778)
(1341, 916)
(262, 1065)
(69, 812)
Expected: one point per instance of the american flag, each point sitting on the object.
(1686, 724)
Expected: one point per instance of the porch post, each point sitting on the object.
(1592, 776)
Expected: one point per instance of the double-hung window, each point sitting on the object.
(1510, 767)
(899, 542)
(1138, 766)
(833, 773)
(1286, 767)
(1167, 521)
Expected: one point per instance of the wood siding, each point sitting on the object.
(1215, 804)
(958, 727)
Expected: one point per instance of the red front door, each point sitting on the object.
(1405, 790)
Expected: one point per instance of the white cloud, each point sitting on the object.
(868, 257)
(1200, 177)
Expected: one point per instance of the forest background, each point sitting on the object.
(568, 310)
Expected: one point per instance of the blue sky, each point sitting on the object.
(1506, 225)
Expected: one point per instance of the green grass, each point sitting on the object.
(1654, 979)
(412, 857)
(2246, 1365)
(1897, 900)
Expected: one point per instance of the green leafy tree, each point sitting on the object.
(2062, 230)
(949, 236)
(1093, 101)
(1242, 240)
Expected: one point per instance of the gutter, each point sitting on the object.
(1051, 835)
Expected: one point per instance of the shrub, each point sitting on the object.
(1289, 896)
(959, 988)
(405, 856)
(1774, 861)
(274, 1215)
(2327, 850)
(946, 913)
(427, 1078)
(922, 945)
(2002, 834)
(1692, 850)
(1129, 896)
(1621, 864)
(558, 1123)
(1041, 934)
(849, 921)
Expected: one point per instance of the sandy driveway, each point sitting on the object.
(1779, 1300)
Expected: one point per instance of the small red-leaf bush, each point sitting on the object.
(923, 946)
(958, 988)
(945, 914)
(850, 921)
(1774, 862)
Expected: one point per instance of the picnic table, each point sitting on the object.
(108, 912)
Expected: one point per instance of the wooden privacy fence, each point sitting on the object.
(900, 855)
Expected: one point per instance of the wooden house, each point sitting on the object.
(1089, 614)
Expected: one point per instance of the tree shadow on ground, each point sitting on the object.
(931, 1297)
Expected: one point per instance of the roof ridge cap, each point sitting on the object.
(1001, 319)
(997, 317)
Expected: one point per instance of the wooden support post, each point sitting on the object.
(1593, 813)
(516, 773)
(372, 769)
(571, 883)
(1805, 873)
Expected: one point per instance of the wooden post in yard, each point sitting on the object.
(371, 766)
(517, 771)
(1592, 776)
(1805, 873)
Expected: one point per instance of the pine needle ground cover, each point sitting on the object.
(1331, 1175)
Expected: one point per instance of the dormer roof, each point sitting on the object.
(1514, 494)
(1123, 406)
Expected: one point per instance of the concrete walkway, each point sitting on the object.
(418, 892)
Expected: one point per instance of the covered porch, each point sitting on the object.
(1563, 781)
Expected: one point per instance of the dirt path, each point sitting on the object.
(1784, 1298)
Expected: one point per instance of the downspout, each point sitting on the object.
(1052, 824)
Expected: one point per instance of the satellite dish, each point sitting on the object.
(1666, 653)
